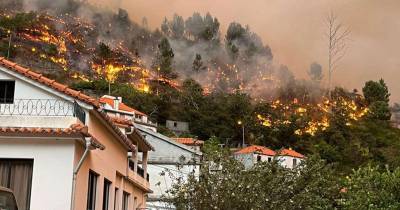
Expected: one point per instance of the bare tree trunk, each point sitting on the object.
(337, 46)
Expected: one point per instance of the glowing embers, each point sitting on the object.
(135, 75)
(309, 119)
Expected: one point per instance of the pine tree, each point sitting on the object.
(164, 60)
(198, 64)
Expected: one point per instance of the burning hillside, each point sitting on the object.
(65, 43)
(85, 43)
(106, 45)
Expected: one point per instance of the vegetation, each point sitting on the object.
(224, 184)
(347, 143)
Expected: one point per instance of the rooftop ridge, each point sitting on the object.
(31, 74)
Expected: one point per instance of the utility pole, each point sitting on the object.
(242, 124)
(109, 88)
(9, 44)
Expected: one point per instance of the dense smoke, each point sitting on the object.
(237, 60)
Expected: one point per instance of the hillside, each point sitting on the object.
(188, 71)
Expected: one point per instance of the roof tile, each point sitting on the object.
(290, 152)
(48, 82)
(189, 141)
(256, 149)
(74, 129)
(121, 106)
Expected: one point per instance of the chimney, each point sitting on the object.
(116, 103)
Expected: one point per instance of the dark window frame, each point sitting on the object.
(116, 190)
(258, 158)
(7, 97)
(125, 200)
(106, 194)
(294, 162)
(92, 190)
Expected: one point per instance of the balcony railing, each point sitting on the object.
(139, 170)
(38, 107)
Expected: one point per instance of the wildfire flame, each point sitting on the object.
(318, 114)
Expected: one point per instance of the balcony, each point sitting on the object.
(37, 107)
(139, 171)
(42, 108)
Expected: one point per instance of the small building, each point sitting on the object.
(253, 154)
(192, 143)
(177, 127)
(289, 158)
(59, 150)
(116, 108)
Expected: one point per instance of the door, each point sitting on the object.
(16, 174)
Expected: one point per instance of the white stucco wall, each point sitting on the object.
(249, 159)
(287, 161)
(29, 100)
(160, 184)
(52, 169)
(167, 155)
(24, 90)
(245, 159)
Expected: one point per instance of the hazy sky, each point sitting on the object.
(294, 30)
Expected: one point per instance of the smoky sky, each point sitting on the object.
(294, 29)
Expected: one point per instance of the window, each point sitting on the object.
(92, 187)
(175, 124)
(294, 162)
(16, 174)
(258, 158)
(125, 201)
(269, 159)
(134, 202)
(7, 88)
(115, 198)
(106, 194)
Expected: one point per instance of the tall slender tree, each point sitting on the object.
(163, 62)
(338, 36)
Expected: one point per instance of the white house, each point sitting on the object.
(60, 151)
(169, 160)
(253, 154)
(289, 158)
(115, 107)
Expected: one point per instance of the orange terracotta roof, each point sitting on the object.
(65, 90)
(121, 121)
(121, 106)
(256, 149)
(75, 129)
(48, 82)
(290, 152)
(124, 139)
(189, 141)
(128, 123)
